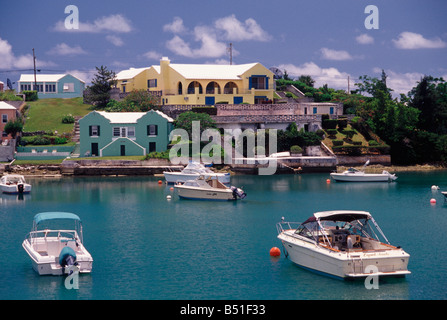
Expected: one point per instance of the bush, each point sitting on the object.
(329, 124)
(373, 143)
(332, 133)
(336, 143)
(296, 149)
(68, 119)
(342, 123)
(30, 95)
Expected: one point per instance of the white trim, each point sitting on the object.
(106, 146)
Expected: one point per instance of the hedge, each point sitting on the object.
(358, 150)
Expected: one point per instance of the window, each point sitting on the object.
(94, 131)
(38, 87)
(331, 110)
(4, 118)
(50, 88)
(124, 131)
(258, 82)
(152, 130)
(315, 110)
(25, 87)
(152, 83)
(69, 87)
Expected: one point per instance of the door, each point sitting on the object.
(123, 150)
(94, 150)
(152, 147)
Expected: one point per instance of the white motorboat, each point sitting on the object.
(194, 170)
(14, 184)
(56, 251)
(208, 189)
(342, 244)
(354, 175)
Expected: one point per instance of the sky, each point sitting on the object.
(333, 41)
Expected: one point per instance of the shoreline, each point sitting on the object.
(55, 171)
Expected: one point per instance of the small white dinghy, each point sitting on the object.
(354, 175)
(14, 184)
(55, 251)
(208, 189)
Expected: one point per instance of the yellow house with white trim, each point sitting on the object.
(202, 84)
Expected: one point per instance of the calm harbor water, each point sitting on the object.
(147, 247)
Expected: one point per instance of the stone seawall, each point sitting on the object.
(116, 167)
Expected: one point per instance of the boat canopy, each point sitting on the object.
(342, 215)
(43, 216)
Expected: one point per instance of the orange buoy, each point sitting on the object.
(171, 188)
(275, 252)
(432, 201)
(160, 182)
(328, 180)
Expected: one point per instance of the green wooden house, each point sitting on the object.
(124, 133)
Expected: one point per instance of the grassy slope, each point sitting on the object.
(46, 114)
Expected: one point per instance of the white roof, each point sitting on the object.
(129, 73)
(4, 105)
(44, 77)
(212, 71)
(128, 117)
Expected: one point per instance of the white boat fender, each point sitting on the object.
(67, 258)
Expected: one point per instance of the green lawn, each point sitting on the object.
(46, 114)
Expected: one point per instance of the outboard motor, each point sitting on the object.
(67, 258)
(20, 187)
(238, 193)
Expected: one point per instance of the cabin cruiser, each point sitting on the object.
(343, 244)
(14, 184)
(56, 251)
(208, 189)
(354, 175)
(194, 170)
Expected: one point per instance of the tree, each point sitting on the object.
(13, 127)
(185, 119)
(307, 80)
(98, 93)
(430, 97)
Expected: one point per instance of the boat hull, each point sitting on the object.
(360, 178)
(49, 264)
(196, 193)
(344, 264)
(174, 177)
(13, 189)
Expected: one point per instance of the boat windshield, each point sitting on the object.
(314, 229)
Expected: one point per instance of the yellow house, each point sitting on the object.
(203, 84)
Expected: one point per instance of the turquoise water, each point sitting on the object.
(147, 247)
